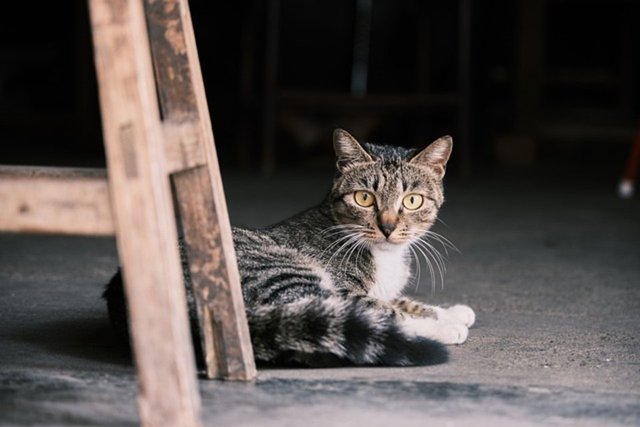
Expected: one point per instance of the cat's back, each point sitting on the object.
(307, 243)
(302, 232)
(279, 263)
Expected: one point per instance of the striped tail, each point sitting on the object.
(332, 331)
(315, 331)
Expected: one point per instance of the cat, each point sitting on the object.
(324, 288)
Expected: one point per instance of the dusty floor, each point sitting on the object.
(553, 272)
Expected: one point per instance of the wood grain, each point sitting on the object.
(183, 145)
(199, 193)
(144, 218)
(246, 368)
(219, 303)
(55, 200)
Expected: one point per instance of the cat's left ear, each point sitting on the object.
(435, 155)
(349, 152)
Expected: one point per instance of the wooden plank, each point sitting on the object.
(177, 98)
(55, 200)
(239, 349)
(199, 193)
(144, 218)
(170, 59)
(225, 338)
(182, 145)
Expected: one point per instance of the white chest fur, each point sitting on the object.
(392, 272)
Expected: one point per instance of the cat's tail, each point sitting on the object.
(323, 331)
(318, 331)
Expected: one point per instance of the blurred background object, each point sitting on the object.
(626, 187)
(530, 85)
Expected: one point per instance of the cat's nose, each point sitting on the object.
(387, 228)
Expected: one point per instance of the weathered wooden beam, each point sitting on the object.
(143, 215)
(182, 145)
(55, 200)
(199, 193)
(224, 335)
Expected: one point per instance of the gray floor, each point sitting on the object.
(552, 270)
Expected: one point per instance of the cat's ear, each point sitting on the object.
(435, 155)
(348, 151)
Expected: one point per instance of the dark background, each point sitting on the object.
(552, 85)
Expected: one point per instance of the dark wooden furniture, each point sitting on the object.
(160, 148)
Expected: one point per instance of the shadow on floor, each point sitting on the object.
(89, 338)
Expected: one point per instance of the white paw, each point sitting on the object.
(451, 333)
(462, 313)
(442, 331)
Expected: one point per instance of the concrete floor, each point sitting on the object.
(553, 272)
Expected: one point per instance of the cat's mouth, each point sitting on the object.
(390, 241)
(390, 235)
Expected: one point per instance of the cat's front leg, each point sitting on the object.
(414, 308)
(457, 313)
(442, 331)
(446, 325)
(418, 319)
(461, 313)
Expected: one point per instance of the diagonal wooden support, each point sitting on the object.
(158, 138)
(198, 190)
(143, 215)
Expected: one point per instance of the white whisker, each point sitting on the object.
(340, 227)
(337, 242)
(362, 248)
(421, 240)
(357, 243)
(437, 258)
(346, 242)
(432, 249)
(430, 265)
(417, 262)
(446, 243)
(442, 222)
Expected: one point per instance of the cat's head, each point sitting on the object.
(387, 195)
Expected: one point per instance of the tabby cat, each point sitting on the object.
(324, 288)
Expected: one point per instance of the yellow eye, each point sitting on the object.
(412, 201)
(364, 198)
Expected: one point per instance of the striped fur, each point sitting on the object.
(311, 288)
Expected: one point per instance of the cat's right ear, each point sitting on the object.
(349, 152)
(435, 155)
